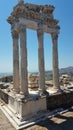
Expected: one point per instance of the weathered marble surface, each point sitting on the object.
(36, 13)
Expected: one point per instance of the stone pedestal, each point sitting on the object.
(55, 61)
(15, 61)
(23, 112)
(41, 61)
(23, 71)
(24, 108)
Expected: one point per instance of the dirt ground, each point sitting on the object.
(59, 122)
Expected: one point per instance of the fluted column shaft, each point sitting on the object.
(15, 61)
(55, 60)
(23, 52)
(40, 35)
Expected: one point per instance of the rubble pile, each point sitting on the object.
(33, 81)
(6, 81)
(65, 80)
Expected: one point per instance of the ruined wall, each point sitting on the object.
(64, 99)
(4, 96)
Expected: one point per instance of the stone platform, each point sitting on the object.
(22, 111)
(58, 120)
(26, 112)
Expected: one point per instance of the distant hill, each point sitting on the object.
(68, 70)
(4, 74)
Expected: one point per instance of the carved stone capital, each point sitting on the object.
(40, 28)
(15, 34)
(40, 31)
(22, 28)
(54, 36)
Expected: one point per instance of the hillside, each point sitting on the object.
(68, 70)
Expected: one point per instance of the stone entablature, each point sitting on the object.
(37, 13)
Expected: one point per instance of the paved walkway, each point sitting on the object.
(60, 122)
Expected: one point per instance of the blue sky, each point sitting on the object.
(63, 12)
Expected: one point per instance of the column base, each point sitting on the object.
(43, 92)
(56, 90)
(15, 91)
(24, 95)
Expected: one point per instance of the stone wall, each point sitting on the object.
(59, 100)
(33, 81)
(4, 96)
(64, 99)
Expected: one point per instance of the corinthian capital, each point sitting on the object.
(40, 31)
(15, 34)
(22, 28)
(54, 36)
(40, 28)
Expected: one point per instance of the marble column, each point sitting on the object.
(55, 61)
(15, 61)
(23, 52)
(40, 36)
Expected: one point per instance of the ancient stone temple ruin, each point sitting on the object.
(21, 104)
(41, 19)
